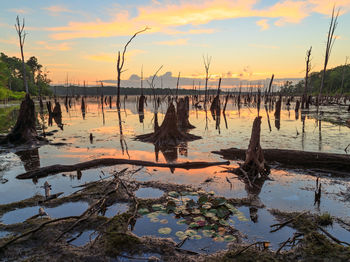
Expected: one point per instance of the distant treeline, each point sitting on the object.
(337, 81)
(112, 90)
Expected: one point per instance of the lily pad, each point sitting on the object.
(154, 219)
(195, 211)
(208, 233)
(164, 230)
(219, 201)
(206, 206)
(181, 235)
(222, 212)
(196, 237)
(229, 238)
(190, 232)
(218, 239)
(203, 199)
(223, 222)
(193, 225)
(163, 221)
(209, 214)
(157, 207)
(143, 211)
(173, 194)
(185, 212)
(181, 222)
(198, 218)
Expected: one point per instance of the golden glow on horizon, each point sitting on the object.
(177, 23)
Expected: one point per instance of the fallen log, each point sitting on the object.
(54, 169)
(295, 158)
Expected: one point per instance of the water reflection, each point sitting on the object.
(30, 159)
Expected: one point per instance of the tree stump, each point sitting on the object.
(24, 130)
(254, 163)
(169, 133)
(183, 113)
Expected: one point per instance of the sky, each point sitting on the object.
(246, 39)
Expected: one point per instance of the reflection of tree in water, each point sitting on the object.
(171, 153)
(123, 144)
(30, 159)
(253, 190)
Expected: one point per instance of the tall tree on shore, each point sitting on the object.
(329, 45)
(121, 61)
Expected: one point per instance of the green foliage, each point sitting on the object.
(325, 219)
(11, 77)
(332, 85)
(11, 95)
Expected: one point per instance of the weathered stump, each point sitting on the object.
(183, 113)
(254, 163)
(168, 134)
(24, 130)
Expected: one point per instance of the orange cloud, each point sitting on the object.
(111, 57)
(263, 24)
(54, 47)
(165, 18)
(57, 9)
(21, 11)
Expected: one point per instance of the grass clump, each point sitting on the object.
(325, 219)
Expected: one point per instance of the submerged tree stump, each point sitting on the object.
(168, 134)
(24, 130)
(254, 163)
(183, 113)
(141, 104)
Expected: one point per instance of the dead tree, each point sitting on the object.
(215, 105)
(120, 64)
(330, 42)
(278, 113)
(267, 98)
(21, 37)
(207, 62)
(177, 86)
(305, 101)
(24, 130)
(142, 97)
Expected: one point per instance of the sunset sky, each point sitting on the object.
(247, 39)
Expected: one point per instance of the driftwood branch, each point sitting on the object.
(54, 169)
(296, 158)
(35, 230)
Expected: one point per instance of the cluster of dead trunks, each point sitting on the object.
(174, 129)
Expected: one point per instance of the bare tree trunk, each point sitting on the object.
(21, 36)
(308, 68)
(120, 64)
(330, 41)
